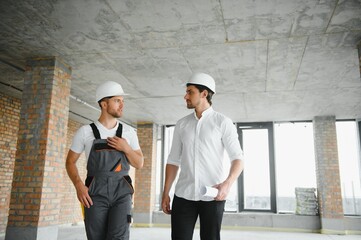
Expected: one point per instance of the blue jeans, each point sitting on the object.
(184, 216)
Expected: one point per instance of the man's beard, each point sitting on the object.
(190, 105)
(115, 114)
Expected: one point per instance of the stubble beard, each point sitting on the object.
(190, 106)
(115, 114)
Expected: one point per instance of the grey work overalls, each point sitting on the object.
(110, 189)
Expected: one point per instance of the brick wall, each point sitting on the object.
(9, 122)
(144, 197)
(70, 211)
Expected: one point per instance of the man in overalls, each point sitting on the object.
(111, 148)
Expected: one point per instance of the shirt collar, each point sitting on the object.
(204, 113)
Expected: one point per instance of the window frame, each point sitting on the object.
(272, 170)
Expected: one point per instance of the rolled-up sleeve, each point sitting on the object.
(230, 140)
(174, 156)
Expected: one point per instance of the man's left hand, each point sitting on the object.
(223, 190)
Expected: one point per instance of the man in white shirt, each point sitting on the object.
(198, 146)
(110, 149)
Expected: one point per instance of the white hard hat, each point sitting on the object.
(204, 80)
(109, 89)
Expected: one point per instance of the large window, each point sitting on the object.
(295, 162)
(349, 160)
(279, 157)
(163, 148)
(257, 182)
(161, 145)
(232, 198)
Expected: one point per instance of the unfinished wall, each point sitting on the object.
(9, 124)
(70, 211)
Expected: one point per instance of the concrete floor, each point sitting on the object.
(138, 233)
(157, 233)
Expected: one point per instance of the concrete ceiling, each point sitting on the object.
(273, 60)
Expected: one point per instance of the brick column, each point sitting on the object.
(328, 175)
(144, 197)
(9, 112)
(39, 160)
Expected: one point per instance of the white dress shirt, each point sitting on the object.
(198, 149)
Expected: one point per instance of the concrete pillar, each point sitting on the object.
(39, 160)
(328, 175)
(144, 197)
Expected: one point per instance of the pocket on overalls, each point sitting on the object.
(90, 182)
(128, 181)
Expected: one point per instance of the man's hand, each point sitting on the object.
(135, 157)
(166, 204)
(72, 170)
(83, 195)
(223, 190)
(119, 144)
(224, 187)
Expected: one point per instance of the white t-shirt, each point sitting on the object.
(84, 137)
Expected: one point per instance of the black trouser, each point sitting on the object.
(185, 214)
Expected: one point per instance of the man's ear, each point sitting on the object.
(103, 104)
(204, 93)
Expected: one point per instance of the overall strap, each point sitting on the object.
(95, 131)
(119, 130)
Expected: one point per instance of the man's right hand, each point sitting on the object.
(166, 204)
(83, 195)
